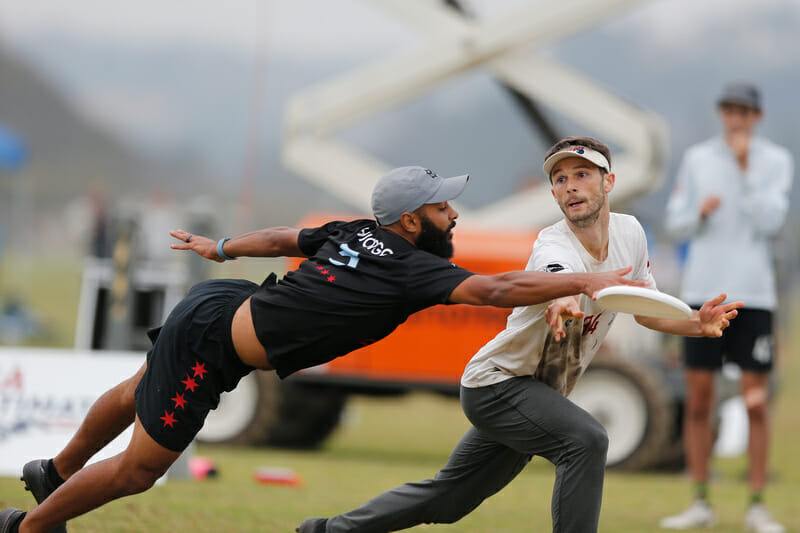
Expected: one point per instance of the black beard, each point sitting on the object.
(435, 241)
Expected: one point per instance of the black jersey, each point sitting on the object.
(358, 284)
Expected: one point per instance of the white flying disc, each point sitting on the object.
(643, 301)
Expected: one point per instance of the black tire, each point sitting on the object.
(247, 414)
(673, 456)
(633, 405)
(307, 415)
(673, 459)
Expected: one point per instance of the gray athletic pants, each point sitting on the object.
(513, 421)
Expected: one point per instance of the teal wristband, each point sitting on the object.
(222, 254)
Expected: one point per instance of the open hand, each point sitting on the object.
(560, 311)
(715, 316)
(204, 246)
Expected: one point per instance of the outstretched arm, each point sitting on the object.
(269, 242)
(518, 288)
(709, 321)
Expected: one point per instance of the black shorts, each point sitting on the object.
(191, 363)
(747, 342)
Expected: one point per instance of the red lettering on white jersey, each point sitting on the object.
(590, 323)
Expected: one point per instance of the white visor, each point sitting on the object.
(575, 151)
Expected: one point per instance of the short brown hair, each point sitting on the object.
(588, 142)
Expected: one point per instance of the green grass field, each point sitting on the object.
(385, 442)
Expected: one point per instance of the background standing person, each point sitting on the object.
(730, 199)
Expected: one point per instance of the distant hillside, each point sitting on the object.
(68, 154)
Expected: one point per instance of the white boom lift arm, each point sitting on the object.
(505, 45)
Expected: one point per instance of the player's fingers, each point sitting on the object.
(633, 282)
(718, 299)
(734, 305)
(623, 271)
(572, 311)
(558, 326)
(179, 234)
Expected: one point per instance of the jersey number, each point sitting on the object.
(351, 255)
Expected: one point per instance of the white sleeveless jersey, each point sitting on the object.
(526, 347)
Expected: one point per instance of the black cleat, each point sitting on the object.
(34, 474)
(10, 519)
(312, 525)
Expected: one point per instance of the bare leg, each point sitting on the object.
(697, 422)
(133, 471)
(755, 394)
(109, 416)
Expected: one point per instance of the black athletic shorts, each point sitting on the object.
(747, 342)
(191, 363)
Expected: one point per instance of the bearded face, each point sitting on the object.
(583, 209)
(434, 240)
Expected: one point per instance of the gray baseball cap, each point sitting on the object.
(741, 93)
(406, 189)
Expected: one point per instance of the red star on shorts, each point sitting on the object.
(320, 267)
(331, 278)
(326, 271)
(168, 418)
(190, 383)
(199, 370)
(179, 400)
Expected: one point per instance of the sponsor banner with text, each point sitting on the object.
(45, 395)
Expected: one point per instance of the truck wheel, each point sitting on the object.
(307, 415)
(633, 406)
(247, 414)
(673, 459)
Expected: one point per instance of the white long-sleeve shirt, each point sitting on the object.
(730, 250)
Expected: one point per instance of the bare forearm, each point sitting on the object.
(269, 242)
(688, 328)
(521, 288)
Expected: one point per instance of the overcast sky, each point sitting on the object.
(321, 27)
(726, 38)
(668, 46)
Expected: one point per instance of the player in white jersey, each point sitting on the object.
(513, 390)
(520, 349)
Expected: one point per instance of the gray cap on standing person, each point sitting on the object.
(741, 93)
(406, 189)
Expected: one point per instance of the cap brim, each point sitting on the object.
(451, 188)
(738, 101)
(554, 159)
